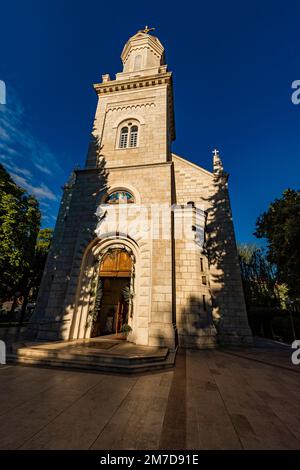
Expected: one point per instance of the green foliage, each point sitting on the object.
(283, 295)
(126, 329)
(23, 246)
(282, 327)
(44, 239)
(19, 225)
(280, 225)
(128, 294)
(268, 306)
(98, 299)
(34, 275)
(259, 278)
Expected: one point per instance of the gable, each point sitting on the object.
(186, 162)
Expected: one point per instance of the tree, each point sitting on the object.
(259, 278)
(32, 277)
(42, 247)
(262, 295)
(280, 225)
(19, 225)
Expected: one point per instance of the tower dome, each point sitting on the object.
(143, 54)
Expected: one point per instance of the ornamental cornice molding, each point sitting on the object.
(139, 48)
(133, 83)
(130, 106)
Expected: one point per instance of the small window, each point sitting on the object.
(123, 137)
(133, 136)
(204, 302)
(201, 265)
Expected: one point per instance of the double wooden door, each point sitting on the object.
(115, 274)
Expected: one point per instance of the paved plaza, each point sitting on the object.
(218, 399)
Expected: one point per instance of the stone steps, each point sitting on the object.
(105, 362)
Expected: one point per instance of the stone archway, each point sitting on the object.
(86, 296)
(112, 312)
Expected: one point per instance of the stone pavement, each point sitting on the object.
(210, 400)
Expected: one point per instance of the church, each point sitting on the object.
(144, 243)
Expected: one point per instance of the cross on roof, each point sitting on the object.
(215, 152)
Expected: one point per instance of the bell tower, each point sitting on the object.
(134, 121)
(143, 54)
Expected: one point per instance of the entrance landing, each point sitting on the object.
(102, 354)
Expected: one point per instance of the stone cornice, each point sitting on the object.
(114, 86)
(125, 167)
(120, 86)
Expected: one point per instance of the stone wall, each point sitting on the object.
(225, 306)
(149, 108)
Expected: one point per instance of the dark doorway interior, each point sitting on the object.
(115, 273)
(114, 309)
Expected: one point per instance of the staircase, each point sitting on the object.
(103, 355)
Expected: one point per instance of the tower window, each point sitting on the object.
(133, 136)
(128, 137)
(123, 138)
(204, 302)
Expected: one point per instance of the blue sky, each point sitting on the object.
(233, 63)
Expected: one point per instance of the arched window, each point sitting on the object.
(137, 62)
(123, 138)
(133, 136)
(128, 137)
(120, 197)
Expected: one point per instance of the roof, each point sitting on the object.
(197, 167)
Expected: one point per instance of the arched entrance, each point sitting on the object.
(112, 306)
(96, 266)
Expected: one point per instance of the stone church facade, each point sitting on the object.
(144, 240)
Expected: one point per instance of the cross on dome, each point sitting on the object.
(147, 30)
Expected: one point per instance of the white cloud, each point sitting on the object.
(21, 152)
(8, 151)
(15, 169)
(42, 191)
(45, 204)
(3, 134)
(43, 169)
(18, 140)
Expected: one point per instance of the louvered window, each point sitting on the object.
(133, 136)
(123, 138)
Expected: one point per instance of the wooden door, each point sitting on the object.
(116, 263)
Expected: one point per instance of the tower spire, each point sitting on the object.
(217, 162)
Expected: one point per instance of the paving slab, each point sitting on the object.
(209, 400)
